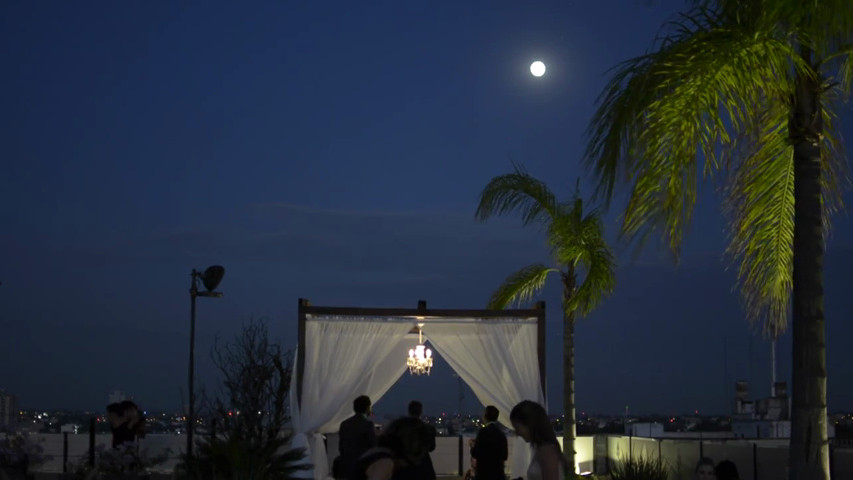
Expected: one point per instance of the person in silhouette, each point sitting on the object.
(114, 417)
(531, 422)
(425, 470)
(135, 418)
(726, 470)
(490, 448)
(126, 422)
(705, 469)
(357, 435)
(401, 451)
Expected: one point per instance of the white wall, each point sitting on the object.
(78, 446)
(445, 458)
(755, 460)
(680, 455)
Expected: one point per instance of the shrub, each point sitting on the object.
(124, 461)
(639, 468)
(21, 450)
(251, 413)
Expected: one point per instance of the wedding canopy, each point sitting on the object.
(346, 352)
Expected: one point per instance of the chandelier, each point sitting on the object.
(420, 357)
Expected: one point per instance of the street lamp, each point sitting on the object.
(210, 278)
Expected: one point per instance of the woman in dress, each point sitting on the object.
(531, 423)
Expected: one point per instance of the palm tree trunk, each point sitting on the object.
(569, 371)
(809, 448)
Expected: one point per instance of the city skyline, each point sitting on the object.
(395, 401)
(336, 153)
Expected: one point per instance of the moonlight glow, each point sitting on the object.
(537, 68)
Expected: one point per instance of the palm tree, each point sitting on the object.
(745, 88)
(579, 251)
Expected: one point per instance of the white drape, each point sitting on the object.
(348, 356)
(344, 358)
(498, 359)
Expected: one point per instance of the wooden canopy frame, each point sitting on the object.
(305, 309)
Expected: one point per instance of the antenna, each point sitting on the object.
(773, 367)
(774, 336)
(183, 405)
(726, 374)
(461, 394)
(751, 361)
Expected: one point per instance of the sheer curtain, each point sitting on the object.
(498, 359)
(346, 357)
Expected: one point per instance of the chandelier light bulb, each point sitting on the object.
(420, 357)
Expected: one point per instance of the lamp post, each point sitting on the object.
(210, 278)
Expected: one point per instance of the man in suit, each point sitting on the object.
(425, 471)
(490, 449)
(356, 436)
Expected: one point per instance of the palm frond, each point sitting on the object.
(571, 227)
(844, 68)
(760, 208)
(663, 111)
(727, 12)
(570, 235)
(521, 286)
(577, 240)
(822, 26)
(837, 88)
(835, 176)
(517, 191)
(599, 280)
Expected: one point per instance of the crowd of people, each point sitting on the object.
(402, 450)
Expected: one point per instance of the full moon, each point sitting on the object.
(537, 68)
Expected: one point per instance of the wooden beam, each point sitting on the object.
(540, 346)
(300, 350)
(416, 312)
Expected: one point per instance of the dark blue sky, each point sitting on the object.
(334, 152)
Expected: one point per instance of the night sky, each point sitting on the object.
(333, 151)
